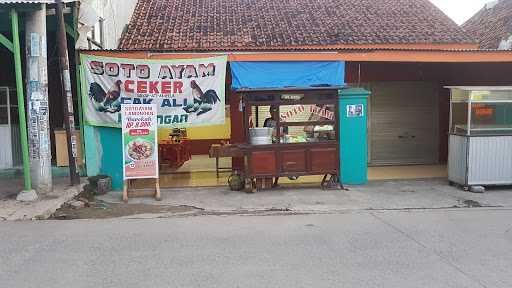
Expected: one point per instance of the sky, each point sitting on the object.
(460, 10)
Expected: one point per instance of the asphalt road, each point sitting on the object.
(429, 248)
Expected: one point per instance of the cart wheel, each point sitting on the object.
(477, 189)
(236, 182)
(332, 183)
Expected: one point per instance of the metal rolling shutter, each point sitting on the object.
(403, 124)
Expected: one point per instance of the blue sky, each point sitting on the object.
(460, 10)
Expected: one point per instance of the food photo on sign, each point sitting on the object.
(139, 140)
(187, 92)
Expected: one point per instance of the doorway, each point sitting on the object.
(10, 147)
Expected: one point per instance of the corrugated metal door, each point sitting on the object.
(403, 125)
(17, 159)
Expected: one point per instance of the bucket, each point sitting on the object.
(260, 132)
(261, 136)
(261, 140)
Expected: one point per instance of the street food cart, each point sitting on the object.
(302, 135)
(480, 145)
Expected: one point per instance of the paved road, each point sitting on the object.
(431, 248)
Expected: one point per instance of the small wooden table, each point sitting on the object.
(219, 151)
(174, 154)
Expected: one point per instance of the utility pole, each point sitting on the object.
(27, 194)
(37, 100)
(69, 118)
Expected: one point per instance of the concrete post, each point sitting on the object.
(28, 194)
(37, 100)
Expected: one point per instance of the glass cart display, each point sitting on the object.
(291, 133)
(480, 148)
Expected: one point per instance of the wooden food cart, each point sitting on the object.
(305, 138)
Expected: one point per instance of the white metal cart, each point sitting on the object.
(480, 144)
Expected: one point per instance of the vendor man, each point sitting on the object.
(272, 123)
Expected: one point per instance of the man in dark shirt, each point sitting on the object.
(272, 123)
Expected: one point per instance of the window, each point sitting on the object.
(295, 116)
(298, 123)
(307, 123)
(491, 112)
(95, 37)
(491, 118)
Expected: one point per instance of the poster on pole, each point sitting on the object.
(187, 92)
(140, 149)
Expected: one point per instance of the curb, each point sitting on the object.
(43, 209)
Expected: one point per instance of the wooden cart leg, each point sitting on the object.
(217, 166)
(158, 196)
(247, 185)
(254, 187)
(125, 191)
(276, 182)
(322, 184)
(333, 182)
(250, 185)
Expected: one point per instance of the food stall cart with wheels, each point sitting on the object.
(480, 145)
(291, 133)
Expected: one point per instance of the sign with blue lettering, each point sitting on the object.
(187, 92)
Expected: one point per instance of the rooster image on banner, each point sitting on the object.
(203, 102)
(108, 101)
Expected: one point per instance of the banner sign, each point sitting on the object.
(140, 149)
(187, 92)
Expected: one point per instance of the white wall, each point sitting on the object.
(116, 15)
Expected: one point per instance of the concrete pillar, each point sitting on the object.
(37, 100)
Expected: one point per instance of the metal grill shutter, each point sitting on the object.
(403, 124)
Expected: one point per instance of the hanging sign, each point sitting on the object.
(187, 92)
(140, 149)
(291, 113)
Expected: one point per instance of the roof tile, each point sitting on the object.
(274, 24)
(491, 24)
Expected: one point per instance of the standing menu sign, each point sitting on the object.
(140, 149)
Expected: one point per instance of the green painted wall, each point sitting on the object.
(353, 136)
(103, 153)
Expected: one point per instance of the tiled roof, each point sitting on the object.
(492, 24)
(277, 24)
(32, 1)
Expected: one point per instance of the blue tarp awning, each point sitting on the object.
(278, 75)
